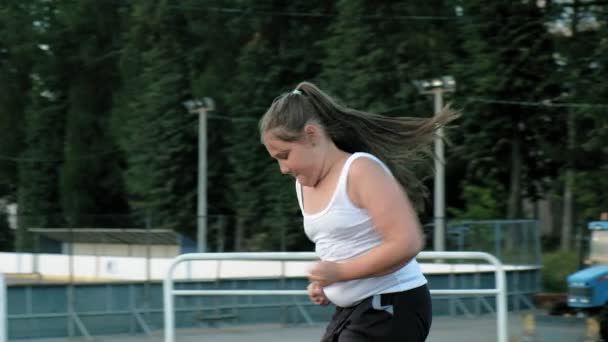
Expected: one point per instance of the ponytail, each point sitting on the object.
(403, 143)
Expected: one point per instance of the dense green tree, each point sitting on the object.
(91, 180)
(506, 57)
(375, 52)
(277, 56)
(576, 30)
(376, 49)
(92, 122)
(211, 67)
(589, 200)
(157, 135)
(17, 48)
(38, 196)
(215, 42)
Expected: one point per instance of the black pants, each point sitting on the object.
(395, 317)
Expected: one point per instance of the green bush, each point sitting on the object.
(557, 266)
(481, 203)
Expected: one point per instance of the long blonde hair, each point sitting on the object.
(403, 143)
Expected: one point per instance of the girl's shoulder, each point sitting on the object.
(363, 162)
(366, 174)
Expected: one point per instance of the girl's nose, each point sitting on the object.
(284, 169)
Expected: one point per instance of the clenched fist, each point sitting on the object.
(316, 294)
(324, 273)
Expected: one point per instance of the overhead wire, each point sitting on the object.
(248, 119)
(94, 155)
(301, 14)
(539, 103)
(542, 16)
(227, 10)
(100, 154)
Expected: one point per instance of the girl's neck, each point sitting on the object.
(333, 159)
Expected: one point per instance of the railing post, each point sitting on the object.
(3, 310)
(169, 310)
(500, 289)
(501, 297)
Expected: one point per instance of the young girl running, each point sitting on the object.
(357, 193)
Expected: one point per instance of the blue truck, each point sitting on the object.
(588, 288)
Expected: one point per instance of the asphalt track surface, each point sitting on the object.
(444, 329)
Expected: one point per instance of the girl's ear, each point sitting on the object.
(312, 133)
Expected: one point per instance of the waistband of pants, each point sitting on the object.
(389, 298)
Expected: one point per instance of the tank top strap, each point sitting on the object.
(342, 186)
(299, 195)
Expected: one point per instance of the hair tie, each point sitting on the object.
(297, 92)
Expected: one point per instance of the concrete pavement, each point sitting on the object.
(444, 329)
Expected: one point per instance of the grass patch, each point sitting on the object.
(557, 266)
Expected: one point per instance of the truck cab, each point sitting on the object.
(588, 288)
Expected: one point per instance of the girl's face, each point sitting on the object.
(299, 159)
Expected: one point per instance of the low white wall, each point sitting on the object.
(156, 251)
(134, 268)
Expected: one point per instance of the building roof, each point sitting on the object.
(128, 236)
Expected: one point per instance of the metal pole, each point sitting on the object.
(70, 289)
(202, 182)
(439, 198)
(3, 310)
(168, 305)
(148, 267)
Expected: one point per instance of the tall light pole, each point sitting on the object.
(201, 107)
(436, 87)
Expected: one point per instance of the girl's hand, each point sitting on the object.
(325, 273)
(316, 294)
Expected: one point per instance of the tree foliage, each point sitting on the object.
(16, 60)
(92, 123)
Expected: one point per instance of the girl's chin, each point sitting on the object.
(303, 181)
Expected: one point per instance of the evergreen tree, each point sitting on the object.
(581, 47)
(91, 183)
(376, 50)
(215, 42)
(506, 56)
(38, 196)
(16, 53)
(589, 200)
(92, 121)
(153, 128)
(277, 56)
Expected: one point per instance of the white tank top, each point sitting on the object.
(342, 231)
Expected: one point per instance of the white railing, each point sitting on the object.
(3, 314)
(500, 291)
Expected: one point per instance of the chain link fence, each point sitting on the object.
(515, 242)
(224, 233)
